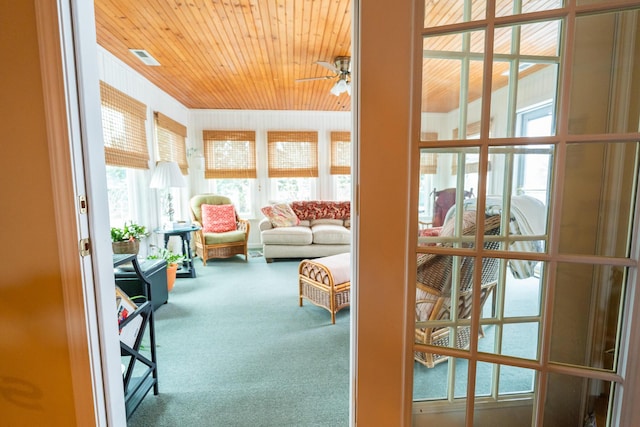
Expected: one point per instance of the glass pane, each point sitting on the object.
(589, 2)
(522, 296)
(238, 190)
(520, 340)
(575, 401)
(444, 12)
(439, 178)
(288, 189)
(437, 383)
(530, 53)
(452, 85)
(511, 339)
(342, 187)
(525, 173)
(516, 7)
(597, 207)
(439, 322)
(586, 315)
(119, 196)
(511, 380)
(600, 101)
(516, 380)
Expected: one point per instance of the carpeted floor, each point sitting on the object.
(235, 349)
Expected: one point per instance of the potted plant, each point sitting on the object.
(172, 259)
(126, 240)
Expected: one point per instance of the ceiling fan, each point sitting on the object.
(341, 67)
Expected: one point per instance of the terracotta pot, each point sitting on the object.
(126, 247)
(172, 269)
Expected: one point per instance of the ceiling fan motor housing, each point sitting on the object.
(342, 64)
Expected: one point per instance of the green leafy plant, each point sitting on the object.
(130, 231)
(166, 254)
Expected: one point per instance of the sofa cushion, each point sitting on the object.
(329, 234)
(218, 218)
(339, 222)
(280, 215)
(294, 236)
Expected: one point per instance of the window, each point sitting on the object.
(533, 169)
(126, 153)
(230, 166)
(124, 187)
(292, 165)
(123, 124)
(170, 139)
(341, 164)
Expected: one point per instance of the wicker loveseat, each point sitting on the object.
(313, 229)
(434, 289)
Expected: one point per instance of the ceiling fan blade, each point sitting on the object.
(315, 78)
(328, 66)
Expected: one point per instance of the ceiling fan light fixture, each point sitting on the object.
(341, 86)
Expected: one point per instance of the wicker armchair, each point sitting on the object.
(433, 291)
(218, 245)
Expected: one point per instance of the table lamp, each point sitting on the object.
(167, 175)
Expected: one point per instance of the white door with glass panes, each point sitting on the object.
(522, 296)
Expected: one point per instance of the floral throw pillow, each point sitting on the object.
(218, 218)
(280, 215)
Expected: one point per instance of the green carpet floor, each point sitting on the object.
(235, 349)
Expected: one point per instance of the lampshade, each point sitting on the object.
(341, 86)
(167, 175)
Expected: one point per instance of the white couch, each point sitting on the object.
(311, 238)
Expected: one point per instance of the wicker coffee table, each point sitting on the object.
(326, 282)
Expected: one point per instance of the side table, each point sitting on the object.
(184, 233)
(141, 373)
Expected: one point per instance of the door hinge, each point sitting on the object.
(82, 203)
(85, 247)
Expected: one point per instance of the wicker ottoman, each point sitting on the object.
(326, 282)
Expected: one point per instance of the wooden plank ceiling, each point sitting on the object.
(240, 54)
(248, 54)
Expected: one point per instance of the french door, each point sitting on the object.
(523, 294)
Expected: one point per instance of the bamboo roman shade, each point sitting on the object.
(170, 137)
(123, 124)
(229, 154)
(340, 153)
(292, 154)
(428, 161)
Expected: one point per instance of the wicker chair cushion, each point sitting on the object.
(226, 237)
(218, 218)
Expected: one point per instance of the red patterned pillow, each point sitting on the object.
(321, 209)
(280, 215)
(218, 218)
